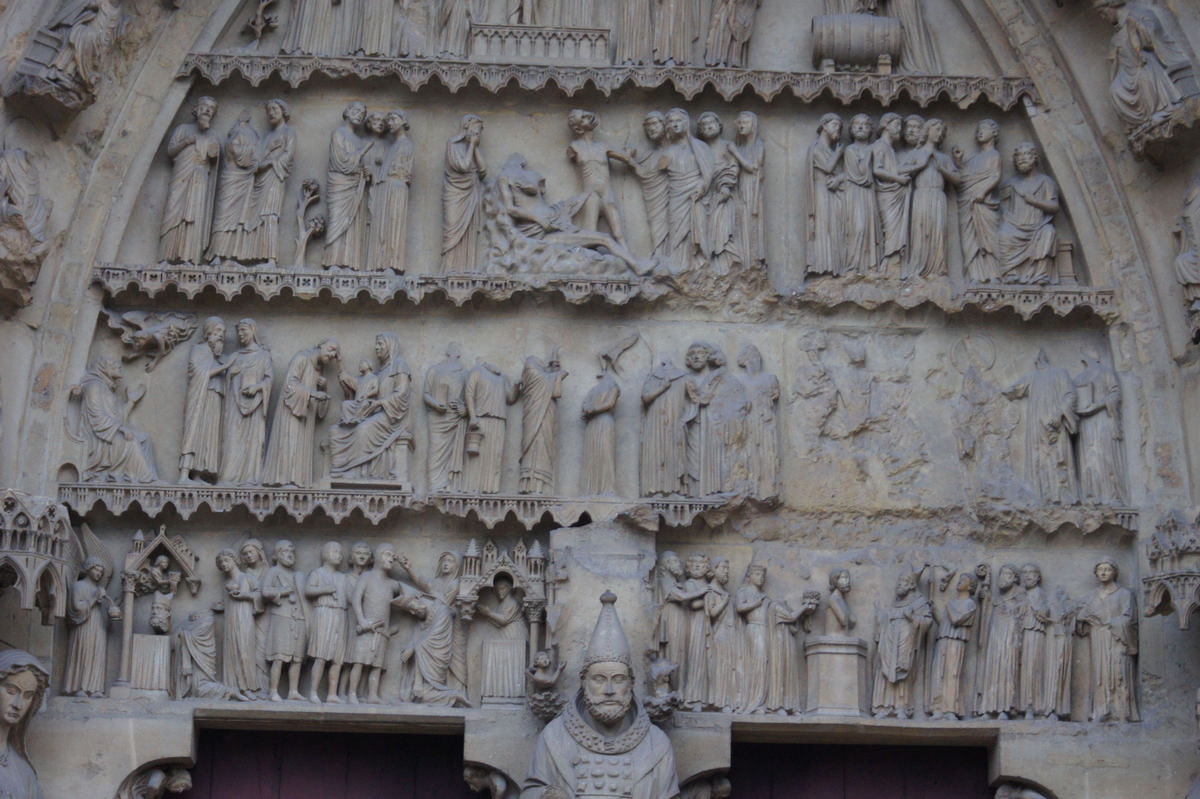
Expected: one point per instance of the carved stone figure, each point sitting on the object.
(414, 35)
(953, 636)
(187, 218)
(1028, 241)
(677, 32)
(276, 156)
(315, 28)
(1060, 645)
(664, 451)
(444, 584)
(346, 185)
(716, 435)
(825, 179)
(861, 222)
(194, 661)
(753, 606)
(1109, 620)
(839, 617)
(635, 34)
(291, 449)
(750, 186)
(372, 605)
(23, 683)
(24, 213)
(373, 27)
(544, 699)
(454, 24)
(899, 636)
(928, 223)
(326, 589)
(891, 193)
(116, 451)
(374, 444)
(600, 431)
(253, 559)
(239, 650)
(1050, 420)
(149, 334)
(693, 684)
(591, 159)
(446, 413)
(1101, 438)
(762, 425)
(287, 628)
(89, 611)
(155, 783)
(978, 205)
(486, 394)
(724, 649)
(360, 563)
(432, 650)
(1035, 615)
(729, 30)
(785, 686)
(247, 395)
(725, 233)
(654, 179)
(157, 579)
(200, 454)
(462, 194)
(504, 656)
(540, 388)
(389, 199)
(671, 626)
(688, 165)
(603, 728)
(89, 31)
(1000, 666)
(919, 53)
(234, 212)
(1187, 236)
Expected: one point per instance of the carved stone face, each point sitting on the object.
(964, 583)
(697, 357)
(894, 127)
(834, 129)
(677, 125)
(356, 113)
(503, 588)
(1105, 573)
(985, 131)
(937, 132)
(333, 554)
(542, 659)
(274, 114)
(250, 556)
(709, 127)
(672, 564)
(913, 132)
(1007, 578)
(17, 693)
(380, 348)
(286, 556)
(204, 115)
(386, 559)
(905, 585)
(843, 582)
(1030, 577)
(608, 691)
(758, 577)
(1025, 160)
(329, 352)
(225, 563)
(745, 124)
(245, 334)
(377, 123)
(721, 572)
(446, 564)
(360, 555)
(96, 573)
(475, 126)
(697, 567)
(860, 128)
(654, 128)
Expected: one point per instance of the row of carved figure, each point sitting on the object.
(707, 431)
(737, 651)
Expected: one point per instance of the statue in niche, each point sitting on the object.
(671, 626)
(187, 217)
(373, 442)
(1050, 419)
(455, 18)
(291, 449)
(899, 638)
(762, 425)
(360, 563)
(248, 378)
(156, 783)
(928, 223)
(316, 28)
(635, 34)
(677, 32)
(1060, 645)
(784, 684)
(287, 628)
(956, 621)
(194, 661)
(326, 589)
(600, 432)
(1035, 615)
(486, 394)
(252, 557)
(89, 611)
(447, 417)
(724, 649)
(431, 651)
(276, 156)
(243, 602)
(688, 164)
(462, 194)
(729, 31)
(825, 178)
(750, 186)
(1001, 647)
(1028, 241)
(24, 213)
(163, 583)
(604, 723)
(695, 666)
(1187, 237)
(89, 30)
(861, 222)
(504, 656)
(591, 159)
(234, 212)
(444, 585)
(918, 53)
(544, 699)
(978, 205)
(1109, 620)
(891, 194)
(23, 684)
(664, 449)
(116, 450)
(200, 455)
(839, 616)
(654, 179)
(371, 601)
(346, 185)
(753, 607)
(726, 212)
(389, 199)
(717, 437)
(540, 387)
(1101, 439)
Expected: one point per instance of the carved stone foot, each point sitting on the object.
(316, 700)
(275, 697)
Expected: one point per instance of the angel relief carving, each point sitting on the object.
(68, 57)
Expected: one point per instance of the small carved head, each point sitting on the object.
(750, 359)
(655, 126)
(608, 691)
(893, 123)
(839, 580)
(331, 553)
(252, 551)
(906, 583)
(285, 553)
(328, 350)
(502, 585)
(226, 561)
(365, 367)
(831, 125)
(213, 331)
(580, 121)
(679, 123)
(385, 557)
(355, 113)
(94, 568)
(1007, 577)
(720, 570)
(204, 111)
(716, 357)
(935, 131)
(542, 659)
(472, 124)
(397, 121)
(23, 683)
(360, 554)
(987, 130)
(1031, 575)
(277, 111)
(914, 130)
(747, 125)
(1025, 158)
(861, 127)
(1043, 360)
(247, 332)
(1107, 570)
(709, 126)
(697, 565)
(967, 582)
(447, 564)
(756, 575)
(697, 356)
(377, 122)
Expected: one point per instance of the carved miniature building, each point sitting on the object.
(838, 356)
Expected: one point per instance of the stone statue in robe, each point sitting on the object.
(376, 445)
(462, 195)
(956, 621)
(234, 213)
(635, 33)
(725, 210)
(1187, 236)
(1051, 418)
(116, 451)
(688, 164)
(389, 199)
(194, 661)
(729, 30)
(592, 158)
(287, 622)
(446, 414)
(541, 387)
(242, 603)
(455, 18)
(1060, 647)
(328, 590)
(725, 652)
(785, 687)
(431, 650)
(486, 393)
(200, 452)
(717, 432)
(750, 186)
(753, 607)
(664, 451)
(316, 28)
(89, 30)
(23, 683)
(1035, 616)
(670, 626)
(677, 32)
(346, 192)
(444, 584)
(918, 53)
(187, 217)
(247, 396)
(654, 182)
(762, 425)
(1152, 72)
(303, 401)
(1027, 239)
(979, 206)
(89, 611)
(1109, 620)
(1000, 647)
(599, 464)
(861, 224)
(825, 179)
(928, 233)
(22, 205)
(505, 649)
(1102, 470)
(899, 637)
(276, 156)
(693, 682)
(891, 193)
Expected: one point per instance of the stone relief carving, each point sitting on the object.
(248, 378)
(346, 188)
(200, 453)
(307, 228)
(23, 683)
(1027, 239)
(462, 192)
(1050, 419)
(839, 617)
(233, 213)
(326, 589)
(592, 158)
(770, 655)
(486, 393)
(1108, 618)
(497, 786)
(979, 206)
(89, 612)
(955, 621)
(273, 166)
(1102, 470)
(114, 450)
(240, 669)
(714, 788)
(155, 782)
(545, 701)
(824, 199)
(371, 601)
(900, 641)
(194, 150)
(540, 389)
(1174, 568)
(194, 662)
(150, 334)
(1035, 616)
(287, 627)
(1000, 641)
(715, 425)
(291, 447)
(24, 213)
(374, 439)
(429, 656)
(932, 170)
(446, 414)
(389, 198)
(600, 431)
(503, 678)
(1187, 262)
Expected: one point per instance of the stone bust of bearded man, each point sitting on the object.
(603, 744)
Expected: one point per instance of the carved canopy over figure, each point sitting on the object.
(376, 444)
(187, 218)
(1109, 619)
(462, 195)
(89, 31)
(291, 450)
(23, 683)
(541, 386)
(1050, 420)
(116, 451)
(1027, 239)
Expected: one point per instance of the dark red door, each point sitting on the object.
(792, 771)
(327, 765)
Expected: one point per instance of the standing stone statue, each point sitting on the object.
(670, 628)
(23, 683)
(600, 431)
(891, 193)
(861, 221)
(634, 34)
(234, 212)
(750, 186)
(1028, 241)
(504, 655)
(762, 425)
(717, 434)
(603, 728)
(688, 164)
(116, 451)
(389, 199)
(371, 602)
(978, 206)
(753, 606)
(1035, 615)
(326, 589)
(360, 562)
(89, 610)
(372, 31)
(23, 207)
(729, 32)
(486, 394)
(928, 224)
(187, 217)
(825, 234)
(785, 687)
(346, 192)
(655, 183)
(694, 680)
(540, 388)
(919, 53)
(444, 585)
(447, 417)
(839, 617)
(276, 156)
(89, 31)
(1109, 620)
(253, 558)
(1000, 666)
(243, 601)
(664, 450)
(1187, 236)
(954, 634)
(1060, 646)
(200, 454)
(462, 198)
(315, 28)
(374, 443)
(724, 649)
(677, 32)
(455, 18)
(287, 627)
(725, 233)
(899, 637)
(1050, 420)
(1101, 439)
(247, 397)
(292, 446)
(591, 159)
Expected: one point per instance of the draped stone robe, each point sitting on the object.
(346, 199)
(292, 445)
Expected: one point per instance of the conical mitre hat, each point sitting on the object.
(608, 644)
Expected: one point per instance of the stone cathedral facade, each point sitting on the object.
(391, 386)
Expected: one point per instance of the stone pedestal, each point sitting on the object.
(837, 675)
